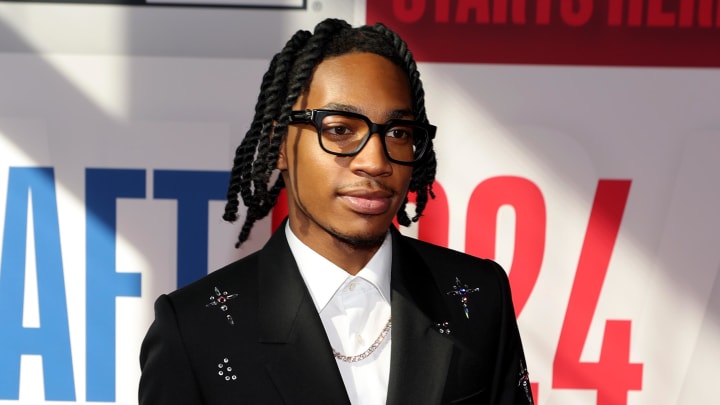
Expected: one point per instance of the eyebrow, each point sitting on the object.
(390, 115)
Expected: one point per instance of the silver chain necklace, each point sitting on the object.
(369, 351)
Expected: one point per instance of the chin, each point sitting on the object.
(361, 240)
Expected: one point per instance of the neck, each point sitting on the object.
(350, 257)
(349, 254)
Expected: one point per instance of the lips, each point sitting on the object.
(367, 202)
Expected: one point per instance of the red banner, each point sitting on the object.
(673, 33)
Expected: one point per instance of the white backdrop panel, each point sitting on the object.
(561, 128)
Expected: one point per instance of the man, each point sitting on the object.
(338, 307)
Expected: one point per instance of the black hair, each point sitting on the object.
(287, 77)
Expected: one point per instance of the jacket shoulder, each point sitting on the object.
(451, 268)
(238, 277)
(441, 257)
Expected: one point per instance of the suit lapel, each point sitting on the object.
(420, 354)
(292, 333)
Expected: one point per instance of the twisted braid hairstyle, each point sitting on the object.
(288, 76)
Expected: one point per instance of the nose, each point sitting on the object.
(372, 160)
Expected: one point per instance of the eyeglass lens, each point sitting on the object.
(347, 135)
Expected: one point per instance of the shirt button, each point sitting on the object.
(359, 340)
(351, 286)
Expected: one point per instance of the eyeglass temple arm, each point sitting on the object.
(305, 115)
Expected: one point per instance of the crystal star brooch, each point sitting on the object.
(220, 300)
(462, 290)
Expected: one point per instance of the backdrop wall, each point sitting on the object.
(592, 180)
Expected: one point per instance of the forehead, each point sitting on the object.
(370, 83)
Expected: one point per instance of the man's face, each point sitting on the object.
(351, 199)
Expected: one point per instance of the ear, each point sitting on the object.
(282, 161)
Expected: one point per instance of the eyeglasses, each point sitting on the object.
(344, 133)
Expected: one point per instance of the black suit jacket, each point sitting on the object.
(261, 340)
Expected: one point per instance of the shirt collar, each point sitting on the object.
(323, 278)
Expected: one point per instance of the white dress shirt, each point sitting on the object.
(354, 310)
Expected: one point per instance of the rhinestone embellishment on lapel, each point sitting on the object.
(220, 300)
(524, 382)
(225, 370)
(462, 290)
(443, 328)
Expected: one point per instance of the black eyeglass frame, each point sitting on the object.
(315, 117)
